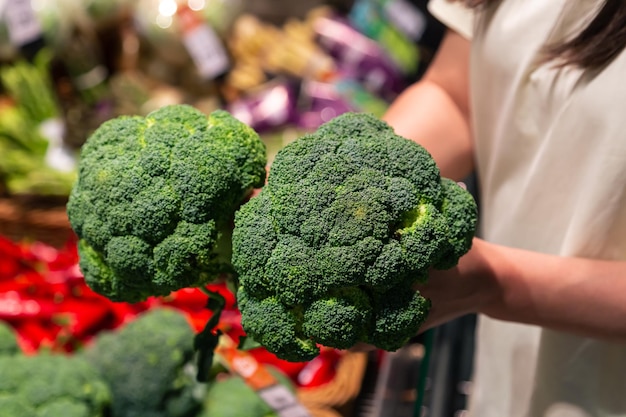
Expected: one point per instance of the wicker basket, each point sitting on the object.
(336, 398)
(35, 218)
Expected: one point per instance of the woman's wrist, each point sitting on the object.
(470, 287)
(484, 267)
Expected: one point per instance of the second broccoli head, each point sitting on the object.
(155, 196)
(352, 217)
(146, 364)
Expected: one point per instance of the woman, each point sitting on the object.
(531, 94)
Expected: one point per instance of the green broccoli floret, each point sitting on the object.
(458, 205)
(155, 197)
(352, 217)
(46, 385)
(339, 318)
(148, 364)
(233, 397)
(8, 340)
(276, 326)
(400, 311)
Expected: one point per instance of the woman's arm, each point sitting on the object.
(435, 111)
(577, 295)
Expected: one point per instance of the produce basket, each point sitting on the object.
(35, 218)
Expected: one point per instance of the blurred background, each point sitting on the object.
(281, 66)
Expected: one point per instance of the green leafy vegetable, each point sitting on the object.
(155, 197)
(352, 217)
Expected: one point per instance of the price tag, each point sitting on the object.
(406, 17)
(22, 23)
(281, 400)
(203, 44)
(295, 411)
(278, 397)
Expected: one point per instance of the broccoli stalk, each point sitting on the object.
(351, 218)
(206, 341)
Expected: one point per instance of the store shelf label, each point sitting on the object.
(283, 401)
(204, 45)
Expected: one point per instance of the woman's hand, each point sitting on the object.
(467, 288)
(571, 294)
(576, 295)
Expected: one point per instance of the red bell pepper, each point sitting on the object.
(320, 370)
(79, 319)
(33, 335)
(14, 306)
(188, 299)
(291, 369)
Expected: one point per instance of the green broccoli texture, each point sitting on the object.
(47, 385)
(8, 340)
(155, 196)
(148, 363)
(352, 217)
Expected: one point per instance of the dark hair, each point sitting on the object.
(596, 45)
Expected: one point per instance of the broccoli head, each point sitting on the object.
(47, 385)
(147, 364)
(155, 196)
(351, 218)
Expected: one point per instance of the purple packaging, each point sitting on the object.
(357, 54)
(320, 102)
(271, 107)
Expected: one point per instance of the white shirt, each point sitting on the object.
(550, 148)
